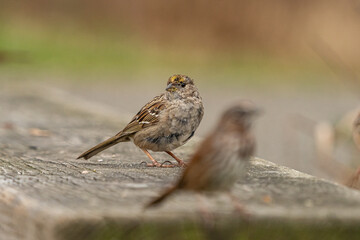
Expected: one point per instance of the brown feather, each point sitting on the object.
(147, 116)
(196, 164)
(222, 157)
(101, 147)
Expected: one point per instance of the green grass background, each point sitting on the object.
(100, 55)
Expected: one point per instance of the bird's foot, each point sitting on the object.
(182, 164)
(168, 164)
(159, 165)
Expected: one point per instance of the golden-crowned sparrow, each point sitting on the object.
(222, 157)
(165, 123)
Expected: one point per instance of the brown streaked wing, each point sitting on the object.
(146, 117)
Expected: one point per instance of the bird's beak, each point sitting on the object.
(169, 86)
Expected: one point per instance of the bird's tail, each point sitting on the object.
(159, 199)
(101, 147)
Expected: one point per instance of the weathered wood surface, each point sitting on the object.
(45, 193)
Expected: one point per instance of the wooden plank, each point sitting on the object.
(45, 193)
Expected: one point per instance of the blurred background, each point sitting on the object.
(299, 60)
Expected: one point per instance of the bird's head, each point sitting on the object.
(241, 114)
(179, 83)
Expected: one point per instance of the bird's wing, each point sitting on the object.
(146, 117)
(209, 153)
(198, 166)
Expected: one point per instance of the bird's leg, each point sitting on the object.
(181, 162)
(154, 162)
(238, 206)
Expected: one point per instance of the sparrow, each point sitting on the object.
(165, 123)
(222, 157)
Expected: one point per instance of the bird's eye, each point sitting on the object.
(183, 84)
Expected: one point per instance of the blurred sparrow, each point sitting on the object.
(222, 157)
(165, 123)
